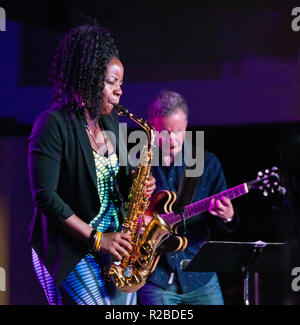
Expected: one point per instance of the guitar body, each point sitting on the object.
(162, 202)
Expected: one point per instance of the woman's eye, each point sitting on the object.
(109, 82)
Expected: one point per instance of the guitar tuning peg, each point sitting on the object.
(260, 174)
(282, 190)
(265, 193)
(267, 171)
(274, 168)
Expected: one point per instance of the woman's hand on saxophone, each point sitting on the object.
(116, 244)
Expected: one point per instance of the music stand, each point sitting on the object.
(235, 257)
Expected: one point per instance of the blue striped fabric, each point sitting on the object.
(51, 291)
(85, 284)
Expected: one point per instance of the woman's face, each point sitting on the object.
(112, 86)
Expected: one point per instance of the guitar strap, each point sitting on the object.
(186, 191)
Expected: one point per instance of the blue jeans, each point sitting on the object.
(209, 294)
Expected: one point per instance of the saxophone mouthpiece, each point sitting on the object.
(122, 110)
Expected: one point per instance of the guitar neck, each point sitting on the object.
(201, 206)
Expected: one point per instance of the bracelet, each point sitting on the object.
(97, 244)
(91, 240)
(94, 242)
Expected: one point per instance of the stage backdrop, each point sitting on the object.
(252, 88)
(15, 214)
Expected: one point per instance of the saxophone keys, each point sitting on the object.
(128, 272)
(146, 249)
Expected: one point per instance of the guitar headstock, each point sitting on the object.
(268, 181)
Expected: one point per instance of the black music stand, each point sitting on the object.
(236, 257)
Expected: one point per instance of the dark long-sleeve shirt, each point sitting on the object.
(211, 182)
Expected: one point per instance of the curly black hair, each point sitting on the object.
(79, 65)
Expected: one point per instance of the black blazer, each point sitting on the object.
(62, 177)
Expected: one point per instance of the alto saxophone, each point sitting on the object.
(131, 273)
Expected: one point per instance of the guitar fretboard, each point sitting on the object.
(203, 205)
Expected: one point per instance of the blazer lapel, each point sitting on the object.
(85, 146)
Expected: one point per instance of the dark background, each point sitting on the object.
(235, 62)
